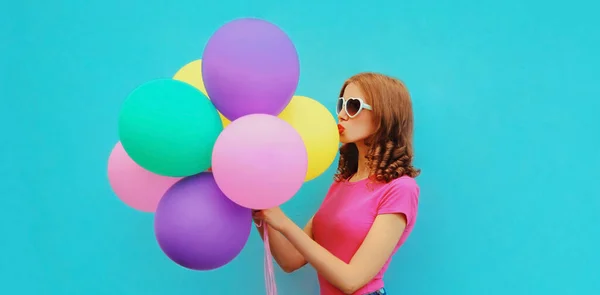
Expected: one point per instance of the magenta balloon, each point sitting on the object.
(250, 66)
(259, 161)
(198, 227)
(134, 185)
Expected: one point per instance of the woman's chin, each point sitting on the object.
(343, 138)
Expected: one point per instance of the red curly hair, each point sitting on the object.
(390, 153)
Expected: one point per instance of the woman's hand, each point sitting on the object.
(274, 217)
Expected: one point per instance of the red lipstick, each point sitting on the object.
(341, 128)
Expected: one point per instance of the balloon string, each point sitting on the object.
(270, 284)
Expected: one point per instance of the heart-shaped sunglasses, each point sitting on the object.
(352, 106)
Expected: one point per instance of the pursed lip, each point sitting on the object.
(341, 128)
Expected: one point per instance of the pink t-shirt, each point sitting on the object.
(347, 213)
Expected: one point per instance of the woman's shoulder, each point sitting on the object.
(402, 186)
(404, 181)
(401, 195)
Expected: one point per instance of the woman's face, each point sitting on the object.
(358, 128)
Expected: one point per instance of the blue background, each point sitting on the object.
(505, 94)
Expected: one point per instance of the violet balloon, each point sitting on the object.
(198, 227)
(250, 66)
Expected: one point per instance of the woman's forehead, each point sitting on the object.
(352, 90)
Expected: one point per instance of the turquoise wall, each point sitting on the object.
(504, 95)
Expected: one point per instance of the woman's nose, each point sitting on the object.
(342, 116)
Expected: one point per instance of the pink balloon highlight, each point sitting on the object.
(259, 161)
(134, 185)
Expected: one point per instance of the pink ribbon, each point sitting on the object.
(270, 284)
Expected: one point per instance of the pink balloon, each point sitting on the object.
(259, 161)
(134, 185)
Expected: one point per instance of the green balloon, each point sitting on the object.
(169, 127)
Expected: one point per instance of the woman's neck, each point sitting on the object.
(362, 170)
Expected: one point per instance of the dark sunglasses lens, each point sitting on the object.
(352, 106)
(338, 108)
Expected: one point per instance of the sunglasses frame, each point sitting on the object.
(363, 105)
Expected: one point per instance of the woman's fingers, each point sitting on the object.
(257, 214)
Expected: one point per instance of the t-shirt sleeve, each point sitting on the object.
(401, 197)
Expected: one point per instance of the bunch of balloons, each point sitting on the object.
(225, 135)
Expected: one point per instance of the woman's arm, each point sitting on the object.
(285, 254)
(366, 262)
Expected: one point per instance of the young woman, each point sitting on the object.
(371, 207)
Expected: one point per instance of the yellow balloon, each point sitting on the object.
(191, 73)
(318, 128)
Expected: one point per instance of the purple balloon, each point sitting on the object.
(198, 227)
(250, 66)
